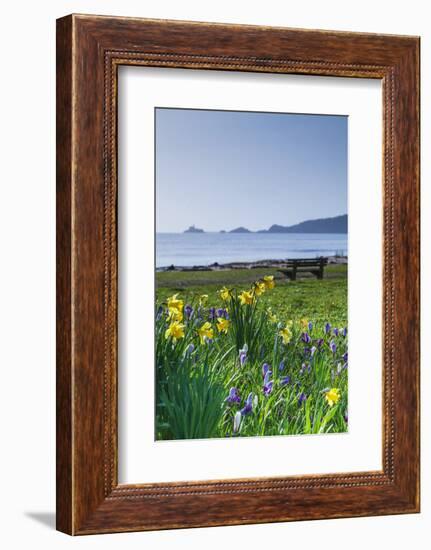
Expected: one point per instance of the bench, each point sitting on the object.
(312, 265)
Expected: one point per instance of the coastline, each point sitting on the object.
(268, 263)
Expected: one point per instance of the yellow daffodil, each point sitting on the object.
(272, 316)
(286, 334)
(246, 297)
(175, 308)
(205, 332)
(332, 396)
(269, 282)
(223, 325)
(175, 303)
(175, 331)
(175, 314)
(259, 288)
(225, 294)
(304, 323)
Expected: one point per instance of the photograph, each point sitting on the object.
(251, 278)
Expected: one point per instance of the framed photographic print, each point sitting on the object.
(237, 274)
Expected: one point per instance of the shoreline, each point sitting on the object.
(269, 263)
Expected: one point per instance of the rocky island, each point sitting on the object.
(193, 229)
(240, 230)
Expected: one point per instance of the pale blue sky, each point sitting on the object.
(223, 169)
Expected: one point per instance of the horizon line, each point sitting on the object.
(200, 230)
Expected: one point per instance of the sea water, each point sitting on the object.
(201, 249)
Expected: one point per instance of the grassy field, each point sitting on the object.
(307, 297)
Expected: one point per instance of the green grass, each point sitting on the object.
(306, 297)
(184, 279)
(195, 375)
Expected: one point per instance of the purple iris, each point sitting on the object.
(310, 326)
(281, 366)
(335, 331)
(267, 383)
(327, 327)
(233, 396)
(333, 346)
(188, 310)
(301, 399)
(248, 405)
(237, 422)
(346, 418)
(313, 351)
(319, 342)
(159, 312)
(190, 349)
(285, 381)
(345, 357)
(265, 369)
(306, 337)
(243, 355)
(212, 313)
(221, 312)
(307, 351)
(344, 333)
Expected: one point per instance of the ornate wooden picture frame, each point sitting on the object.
(89, 51)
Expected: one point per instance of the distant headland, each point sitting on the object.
(337, 224)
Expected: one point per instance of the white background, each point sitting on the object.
(141, 458)
(27, 214)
